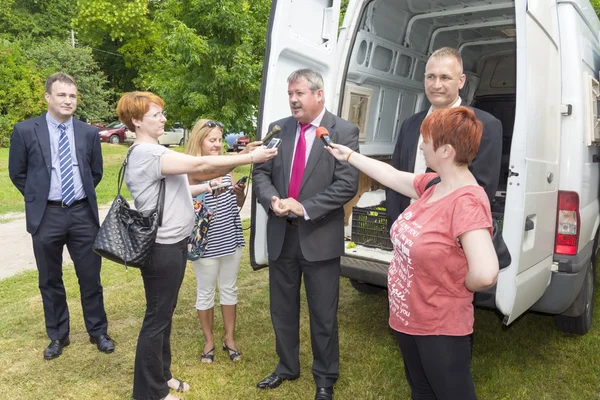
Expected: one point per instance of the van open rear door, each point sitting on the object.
(301, 33)
(530, 214)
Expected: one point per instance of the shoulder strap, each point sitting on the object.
(432, 182)
(121, 176)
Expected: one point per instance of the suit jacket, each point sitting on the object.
(327, 184)
(485, 167)
(30, 165)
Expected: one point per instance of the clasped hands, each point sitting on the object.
(285, 207)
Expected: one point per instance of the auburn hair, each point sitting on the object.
(456, 126)
(133, 105)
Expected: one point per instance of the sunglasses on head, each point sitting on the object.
(212, 124)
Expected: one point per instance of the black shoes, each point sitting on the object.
(324, 393)
(104, 343)
(272, 381)
(55, 348)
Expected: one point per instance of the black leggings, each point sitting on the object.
(438, 367)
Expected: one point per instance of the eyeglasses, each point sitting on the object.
(158, 114)
(212, 124)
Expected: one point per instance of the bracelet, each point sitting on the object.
(349, 154)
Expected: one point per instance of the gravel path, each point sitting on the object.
(17, 254)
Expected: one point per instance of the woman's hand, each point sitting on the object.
(261, 154)
(251, 146)
(340, 152)
(238, 189)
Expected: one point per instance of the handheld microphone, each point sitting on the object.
(274, 130)
(323, 134)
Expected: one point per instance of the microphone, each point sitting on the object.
(323, 134)
(274, 130)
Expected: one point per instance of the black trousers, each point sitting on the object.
(322, 283)
(76, 228)
(162, 281)
(438, 367)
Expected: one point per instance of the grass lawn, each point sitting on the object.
(12, 201)
(528, 360)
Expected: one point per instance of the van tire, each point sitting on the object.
(366, 288)
(581, 324)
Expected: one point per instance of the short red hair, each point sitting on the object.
(456, 126)
(133, 105)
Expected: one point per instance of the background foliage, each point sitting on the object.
(204, 57)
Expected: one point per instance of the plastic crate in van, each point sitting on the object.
(369, 227)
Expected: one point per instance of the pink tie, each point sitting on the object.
(299, 164)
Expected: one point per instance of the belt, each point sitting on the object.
(292, 221)
(61, 204)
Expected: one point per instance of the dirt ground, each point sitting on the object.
(17, 255)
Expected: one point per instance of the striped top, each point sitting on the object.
(225, 230)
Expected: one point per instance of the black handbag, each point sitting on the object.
(504, 258)
(127, 236)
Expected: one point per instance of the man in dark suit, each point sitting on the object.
(56, 162)
(304, 190)
(444, 78)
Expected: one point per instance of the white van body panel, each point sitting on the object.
(554, 52)
(302, 34)
(532, 193)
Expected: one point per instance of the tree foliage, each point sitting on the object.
(21, 89)
(204, 57)
(33, 45)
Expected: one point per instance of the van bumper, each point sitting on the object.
(365, 270)
(566, 284)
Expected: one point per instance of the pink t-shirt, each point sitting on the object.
(426, 278)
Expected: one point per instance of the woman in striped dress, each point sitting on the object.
(220, 263)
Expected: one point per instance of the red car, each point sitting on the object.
(241, 143)
(113, 133)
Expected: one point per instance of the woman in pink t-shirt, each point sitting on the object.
(443, 252)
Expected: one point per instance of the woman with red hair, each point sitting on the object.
(443, 252)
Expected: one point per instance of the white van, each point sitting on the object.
(532, 63)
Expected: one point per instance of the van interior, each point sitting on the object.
(385, 72)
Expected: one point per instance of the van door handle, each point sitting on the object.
(528, 224)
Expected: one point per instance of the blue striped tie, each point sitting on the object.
(66, 167)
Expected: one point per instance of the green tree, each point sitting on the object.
(21, 89)
(52, 56)
(204, 57)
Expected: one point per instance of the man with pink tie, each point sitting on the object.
(303, 189)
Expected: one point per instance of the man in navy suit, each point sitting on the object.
(444, 78)
(48, 154)
(304, 190)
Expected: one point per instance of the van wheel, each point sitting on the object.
(365, 287)
(581, 324)
(114, 139)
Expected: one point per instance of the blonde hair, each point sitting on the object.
(197, 135)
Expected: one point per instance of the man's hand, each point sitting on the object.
(294, 206)
(278, 207)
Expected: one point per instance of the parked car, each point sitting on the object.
(240, 143)
(173, 136)
(230, 139)
(113, 133)
(99, 125)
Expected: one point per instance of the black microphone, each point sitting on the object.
(274, 130)
(323, 133)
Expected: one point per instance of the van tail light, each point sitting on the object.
(567, 223)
